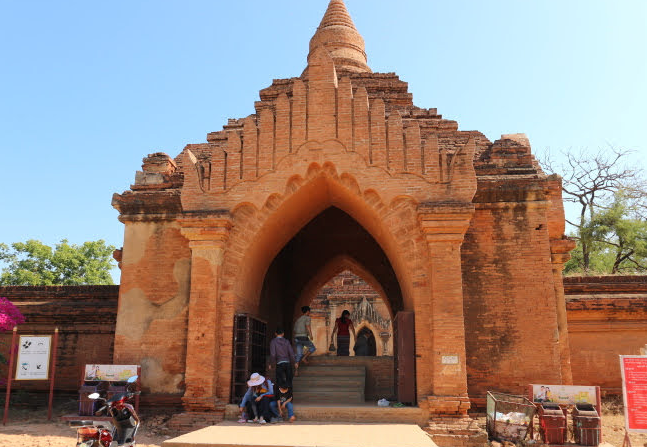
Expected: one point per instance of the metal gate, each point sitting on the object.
(249, 353)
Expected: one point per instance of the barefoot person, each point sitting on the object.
(283, 403)
(303, 335)
(343, 328)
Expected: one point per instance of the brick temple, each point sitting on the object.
(336, 169)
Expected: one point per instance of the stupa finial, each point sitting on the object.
(338, 35)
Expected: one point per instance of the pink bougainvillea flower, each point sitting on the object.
(10, 316)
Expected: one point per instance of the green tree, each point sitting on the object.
(621, 233)
(609, 196)
(33, 263)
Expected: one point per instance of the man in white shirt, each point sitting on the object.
(303, 335)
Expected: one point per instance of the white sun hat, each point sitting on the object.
(255, 380)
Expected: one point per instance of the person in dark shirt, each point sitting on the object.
(283, 402)
(282, 357)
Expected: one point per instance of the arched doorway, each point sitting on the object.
(331, 235)
(240, 248)
(330, 242)
(366, 346)
(365, 301)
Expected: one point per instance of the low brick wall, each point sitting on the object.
(85, 317)
(607, 317)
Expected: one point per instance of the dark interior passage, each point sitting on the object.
(331, 234)
(366, 345)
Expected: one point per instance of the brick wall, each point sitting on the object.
(151, 325)
(607, 317)
(509, 298)
(85, 316)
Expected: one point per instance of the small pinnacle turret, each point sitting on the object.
(338, 35)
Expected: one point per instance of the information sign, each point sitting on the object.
(634, 391)
(33, 357)
(109, 373)
(564, 394)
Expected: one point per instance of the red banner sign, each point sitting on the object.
(634, 388)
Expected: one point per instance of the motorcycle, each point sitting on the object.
(120, 431)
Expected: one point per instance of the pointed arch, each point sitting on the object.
(334, 267)
(259, 234)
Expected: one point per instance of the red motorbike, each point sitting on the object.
(123, 425)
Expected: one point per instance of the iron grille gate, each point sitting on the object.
(250, 353)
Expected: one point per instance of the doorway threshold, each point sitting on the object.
(368, 413)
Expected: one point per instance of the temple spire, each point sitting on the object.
(338, 35)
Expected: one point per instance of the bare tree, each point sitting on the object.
(591, 180)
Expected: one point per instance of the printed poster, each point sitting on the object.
(634, 391)
(109, 373)
(33, 357)
(564, 394)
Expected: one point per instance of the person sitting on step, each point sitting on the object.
(257, 400)
(283, 402)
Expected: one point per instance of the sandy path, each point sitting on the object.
(27, 428)
(56, 434)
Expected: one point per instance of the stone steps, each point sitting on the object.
(303, 382)
(329, 396)
(329, 384)
(361, 413)
(331, 371)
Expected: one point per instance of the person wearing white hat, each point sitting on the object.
(257, 400)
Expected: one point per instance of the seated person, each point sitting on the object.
(256, 401)
(283, 402)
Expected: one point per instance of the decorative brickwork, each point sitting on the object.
(339, 168)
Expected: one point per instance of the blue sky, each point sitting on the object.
(87, 89)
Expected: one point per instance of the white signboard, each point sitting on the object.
(33, 357)
(110, 373)
(449, 360)
(564, 394)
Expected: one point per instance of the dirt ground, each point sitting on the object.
(30, 428)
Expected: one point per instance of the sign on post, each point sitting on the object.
(565, 394)
(33, 357)
(33, 354)
(109, 373)
(634, 391)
